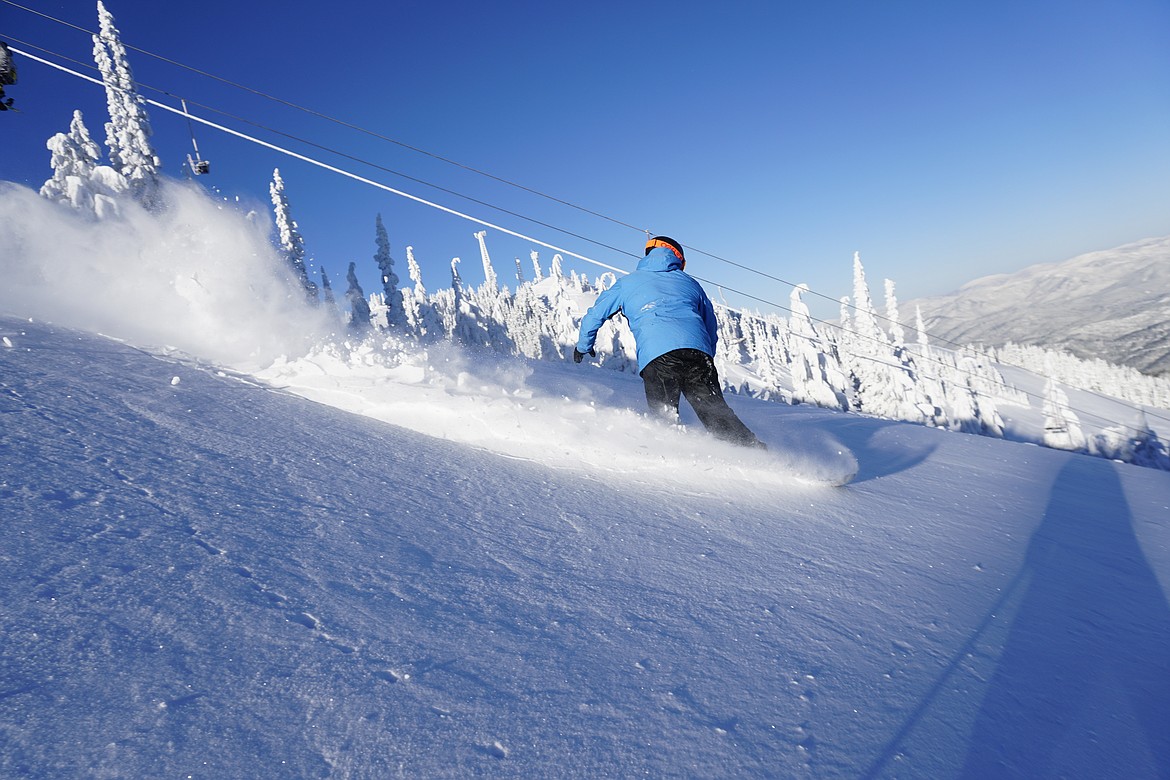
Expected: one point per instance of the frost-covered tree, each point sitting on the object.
(385, 263)
(729, 344)
(923, 339)
(1062, 426)
(327, 291)
(865, 323)
(289, 240)
(883, 376)
(491, 281)
(464, 322)
(1146, 448)
(537, 273)
(1136, 443)
(128, 131)
(77, 178)
(418, 311)
(812, 364)
(1122, 382)
(359, 308)
(7, 75)
(897, 334)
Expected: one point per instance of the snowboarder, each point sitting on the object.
(674, 326)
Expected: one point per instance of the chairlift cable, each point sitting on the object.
(198, 165)
(380, 136)
(331, 150)
(341, 122)
(539, 242)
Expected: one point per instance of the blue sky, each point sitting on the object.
(944, 141)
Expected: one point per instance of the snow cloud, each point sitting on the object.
(200, 276)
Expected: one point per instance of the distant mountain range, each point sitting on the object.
(1113, 304)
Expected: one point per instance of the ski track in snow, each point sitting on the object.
(573, 418)
(210, 576)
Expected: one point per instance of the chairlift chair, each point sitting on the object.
(198, 167)
(197, 164)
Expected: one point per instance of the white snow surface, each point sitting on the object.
(229, 552)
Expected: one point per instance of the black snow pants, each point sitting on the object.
(691, 373)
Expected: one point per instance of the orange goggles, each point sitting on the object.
(655, 242)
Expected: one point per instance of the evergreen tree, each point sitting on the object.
(327, 291)
(389, 279)
(865, 322)
(419, 313)
(897, 334)
(7, 75)
(77, 178)
(359, 309)
(920, 327)
(290, 243)
(1147, 449)
(810, 367)
(489, 273)
(884, 376)
(1062, 426)
(128, 131)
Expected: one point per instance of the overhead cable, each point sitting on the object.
(507, 231)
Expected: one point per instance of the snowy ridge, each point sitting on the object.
(1110, 304)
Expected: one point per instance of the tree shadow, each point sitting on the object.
(1082, 688)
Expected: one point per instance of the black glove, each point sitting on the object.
(578, 355)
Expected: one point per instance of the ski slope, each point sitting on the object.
(238, 546)
(204, 575)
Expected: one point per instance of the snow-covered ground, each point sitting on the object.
(379, 561)
(205, 576)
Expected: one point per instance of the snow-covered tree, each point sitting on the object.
(1062, 426)
(418, 313)
(359, 309)
(289, 240)
(7, 75)
(538, 274)
(128, 131)
(883, 375)
(77, 178)
(922, 337)
(385, 263)
(865, 323)
(811, 360)
(327, 291)
(1146, 448)
(491, 281)
(897, 334)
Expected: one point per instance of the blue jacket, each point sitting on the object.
(666, 308)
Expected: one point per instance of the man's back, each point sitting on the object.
(666, 308)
